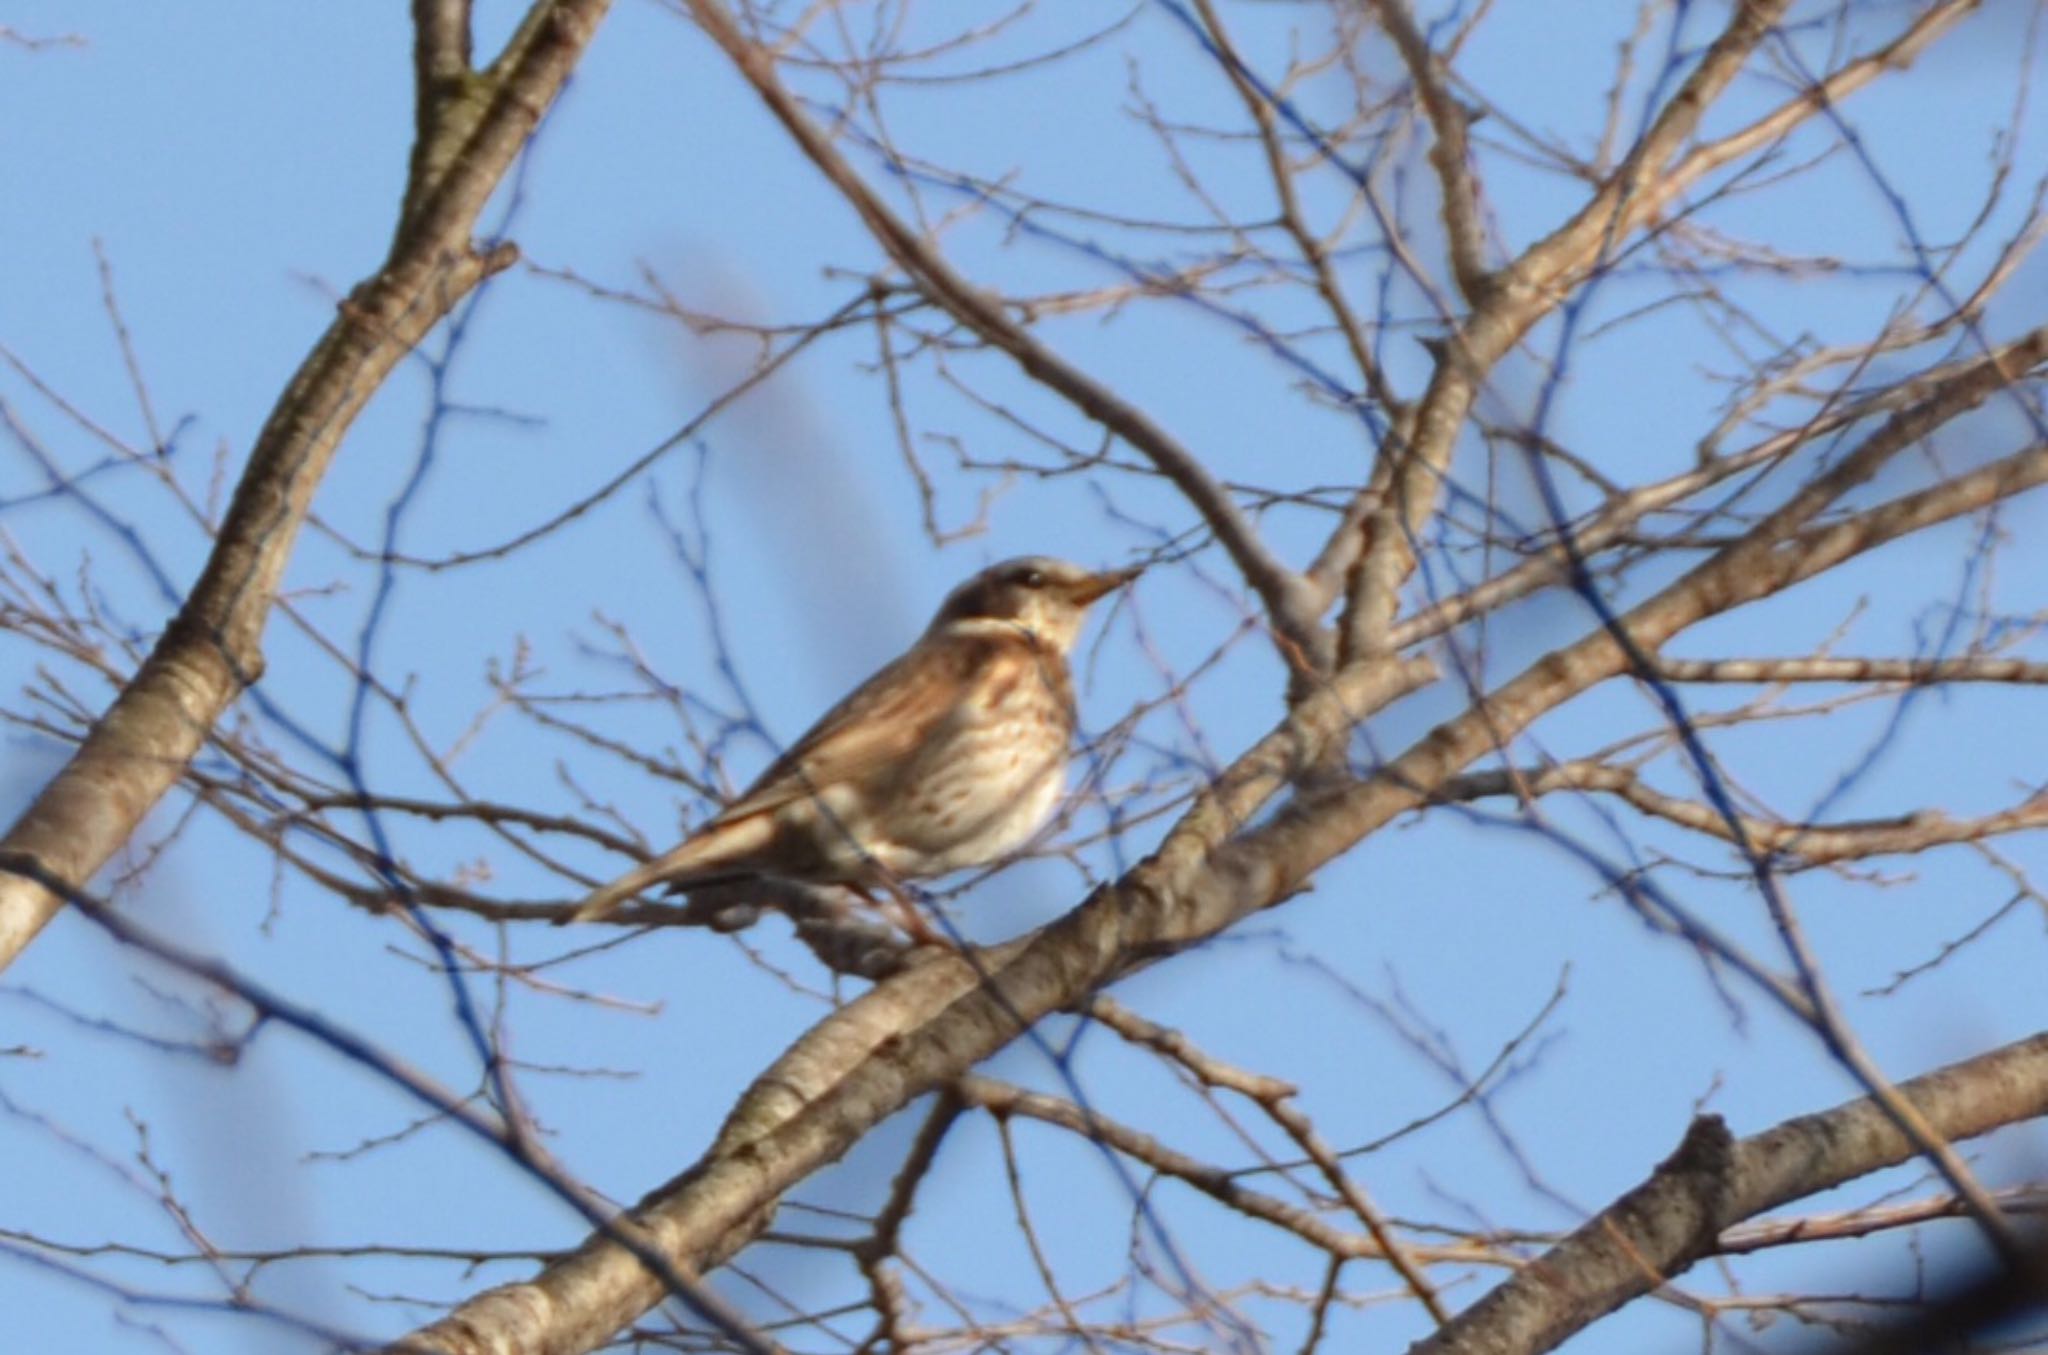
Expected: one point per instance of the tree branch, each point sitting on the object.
(212, 649)
(924, 1028)
(1675, 1218)
(1449, 151)
(1906, 672)
(1808, 844)
(1280, 590)
(918, 1031)
(1408, 480)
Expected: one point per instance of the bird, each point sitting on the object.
(951, 756)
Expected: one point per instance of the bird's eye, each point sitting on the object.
(1033, 578)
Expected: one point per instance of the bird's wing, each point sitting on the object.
(883, 720)
(886, 719)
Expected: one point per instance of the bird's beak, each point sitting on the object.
(1096, 585)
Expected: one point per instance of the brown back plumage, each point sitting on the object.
(950, 756)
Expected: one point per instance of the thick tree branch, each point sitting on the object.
(212, 649)
(448, 98)
(918, 1031)
(1675, 1218)
(1779, 551)
(1904, 672)
(1306, 195)
(925, 1028)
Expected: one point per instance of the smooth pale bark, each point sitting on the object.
(472, 125)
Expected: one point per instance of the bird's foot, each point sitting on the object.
(904, 909)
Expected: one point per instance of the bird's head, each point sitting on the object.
(1048, 597)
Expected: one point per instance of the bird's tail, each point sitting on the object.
(604, 901)
(710, 852)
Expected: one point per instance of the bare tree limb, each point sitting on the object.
(1810, 844)
(1906, 672)
(1449, 153)
(918, 1031)
(213, 648)
(1654, 1232)
(505, 1133)
(1823, 438)
(1408, 482)
(1279, 588)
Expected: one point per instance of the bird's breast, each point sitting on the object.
(990, 776)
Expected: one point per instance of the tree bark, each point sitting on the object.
(470, 131)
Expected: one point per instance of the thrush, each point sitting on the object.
(950, 757)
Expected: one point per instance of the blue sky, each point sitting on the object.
(238, 164)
